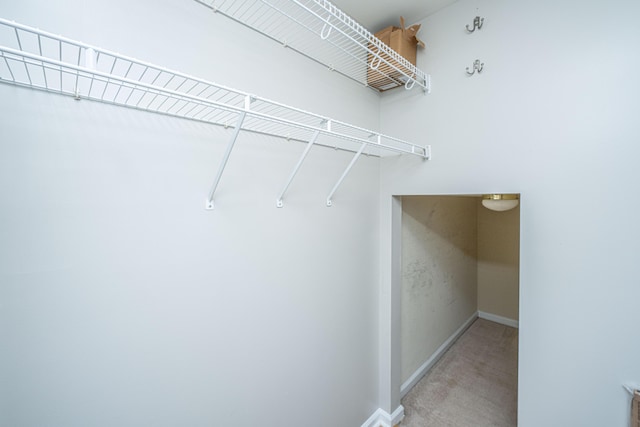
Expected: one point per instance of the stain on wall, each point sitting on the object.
(439, 273)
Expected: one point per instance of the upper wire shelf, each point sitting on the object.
(320, 31)
(36, 59)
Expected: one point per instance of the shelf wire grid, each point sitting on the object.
(320, 31)
(36, 59)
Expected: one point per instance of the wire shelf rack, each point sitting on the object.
(320, 31)
(33, 58)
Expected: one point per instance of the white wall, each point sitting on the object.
(498, 261)
(439, 274)
(553, 116)
(123, 301)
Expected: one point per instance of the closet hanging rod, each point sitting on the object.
(53, 63)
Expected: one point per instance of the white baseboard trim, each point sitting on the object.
(422, 370)
(498, 319)
(382, 418)
(373, 420)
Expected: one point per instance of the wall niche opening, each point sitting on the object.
(459, 307)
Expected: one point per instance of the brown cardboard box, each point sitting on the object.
(402, 40)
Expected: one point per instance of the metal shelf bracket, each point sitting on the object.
(225, 158)
(279, 202)
(344, 175)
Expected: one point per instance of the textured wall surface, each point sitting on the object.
(439, 280)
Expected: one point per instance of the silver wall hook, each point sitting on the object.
(477, 24)
(477, 66)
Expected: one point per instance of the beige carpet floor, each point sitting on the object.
(474, 384)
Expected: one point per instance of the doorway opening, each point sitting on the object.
(459, 262)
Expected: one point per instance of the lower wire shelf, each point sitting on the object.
(36, 59)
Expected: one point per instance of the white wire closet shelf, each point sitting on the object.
(320, 31)
(36, 59)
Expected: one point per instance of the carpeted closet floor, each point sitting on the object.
(474, 384)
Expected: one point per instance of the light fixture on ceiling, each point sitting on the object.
(500, 202)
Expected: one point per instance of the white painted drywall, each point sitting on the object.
(498, 261)
(553, 116)
(123, 302)
(439, 274)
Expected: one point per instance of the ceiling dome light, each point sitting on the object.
(500, 202)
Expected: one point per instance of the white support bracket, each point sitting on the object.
(90, 64)
(223, 164)
(344, 175)
(279, 202)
